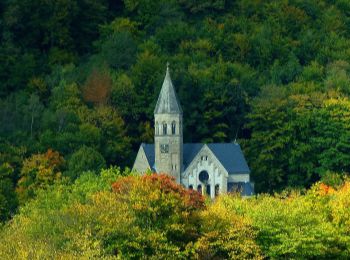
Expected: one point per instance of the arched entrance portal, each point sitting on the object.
(203, 178)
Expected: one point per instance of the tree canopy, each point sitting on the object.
(112, 216)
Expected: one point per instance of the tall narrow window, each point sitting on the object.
(173, 127)
(208, 190)
(165, 129)
(199, 188)
(157, 128)
(190, 187)
(217, 190)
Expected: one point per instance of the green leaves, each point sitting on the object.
(85, 159)
(296, 138)
(8, 197)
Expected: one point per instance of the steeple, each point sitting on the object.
(168, 140)
(167, 101)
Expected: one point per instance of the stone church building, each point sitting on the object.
(211, 168)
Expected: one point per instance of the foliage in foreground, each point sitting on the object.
(294, 226)
(111, 216)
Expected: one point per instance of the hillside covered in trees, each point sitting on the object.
(79, 81)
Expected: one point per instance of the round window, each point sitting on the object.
(203, 176)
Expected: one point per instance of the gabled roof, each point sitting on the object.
(149, 151)
(189, 152)
(167, 101)
(231, 157)
(229, 154)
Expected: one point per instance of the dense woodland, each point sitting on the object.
(79, 80)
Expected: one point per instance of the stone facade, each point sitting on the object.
(206, 161)
(168, 144)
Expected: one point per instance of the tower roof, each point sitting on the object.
(167, 101)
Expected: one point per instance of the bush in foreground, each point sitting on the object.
(294, 226)
(112, 216)
(141, 216)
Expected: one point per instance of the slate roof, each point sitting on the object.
(149, 151)
(229, 154)
(231, 157)
(167, 102)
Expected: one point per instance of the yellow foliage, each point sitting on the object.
(226, 234)
(38, 172)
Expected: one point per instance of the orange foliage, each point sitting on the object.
(54, 159)
(325, 189)
(165, 183)
(97, 88)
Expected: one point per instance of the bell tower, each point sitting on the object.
(168, 138)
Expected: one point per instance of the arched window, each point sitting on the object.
(173, 127)
(208, 190)
(157, 128)
(217, 190)
(199, 188)
(165, 129)
(190, 187)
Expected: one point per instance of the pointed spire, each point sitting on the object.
(167, 101)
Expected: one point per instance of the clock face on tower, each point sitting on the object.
(164, 148)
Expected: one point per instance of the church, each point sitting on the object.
(208, 168)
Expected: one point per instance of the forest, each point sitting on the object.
(79, 80)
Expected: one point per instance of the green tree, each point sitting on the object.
(119, 50)
(195, 6)
(270, 139)
(35, 109)
(115, 144)
(152, 14)
(8, 198)
(85, 159)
